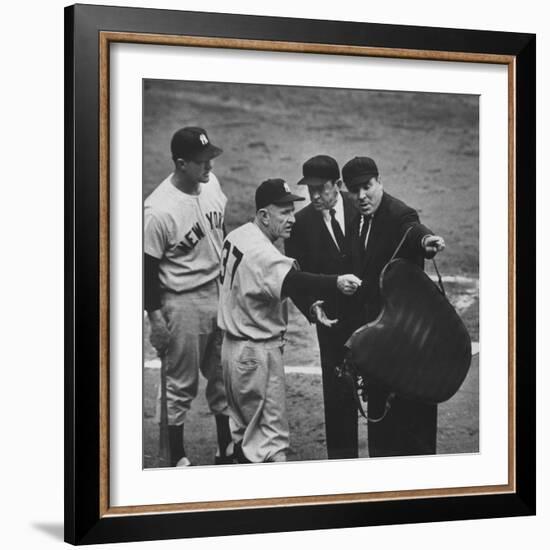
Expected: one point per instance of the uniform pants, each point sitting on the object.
(255, 387)
(195, 344)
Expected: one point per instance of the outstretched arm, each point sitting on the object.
(420, 240)
(297, 283)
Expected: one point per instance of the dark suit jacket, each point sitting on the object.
(410, 428)
(315, 250)
(389, 224)
(311, 244)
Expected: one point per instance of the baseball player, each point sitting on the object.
(183, 237)
(256, 280)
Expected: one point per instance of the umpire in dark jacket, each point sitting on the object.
(321, 243)
(408, 428)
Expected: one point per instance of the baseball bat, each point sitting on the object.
(164, 441)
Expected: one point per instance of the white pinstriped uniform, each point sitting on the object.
(254, 317)
(185, 232)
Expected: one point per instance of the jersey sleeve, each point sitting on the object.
(217, 190)
(275, 268)
(155, 236)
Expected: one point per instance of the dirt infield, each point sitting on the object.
(458, 418)
(457, 421)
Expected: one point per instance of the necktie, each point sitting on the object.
(337, 230)
(364, 231)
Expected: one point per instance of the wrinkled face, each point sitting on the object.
(278, 220)
(324, 195)
(197, 171)
(367, 196)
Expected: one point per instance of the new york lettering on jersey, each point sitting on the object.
(197, 232)
(185, 232)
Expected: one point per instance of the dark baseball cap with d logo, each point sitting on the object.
(192, 143)
(274, 191)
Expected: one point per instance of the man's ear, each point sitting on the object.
(180, 163)
(263, 216)
(338, 183)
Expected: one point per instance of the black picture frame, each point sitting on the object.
(87, 516)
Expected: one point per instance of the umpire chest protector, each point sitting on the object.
(417, 347)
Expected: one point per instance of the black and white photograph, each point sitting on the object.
(310, 273)
(220, 226)
(299, 273)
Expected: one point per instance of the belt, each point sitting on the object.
(280, 337)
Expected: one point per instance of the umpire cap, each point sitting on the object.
(318, 170)
(359, 170)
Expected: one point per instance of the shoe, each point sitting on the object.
(221, 460)
(227, 458)
(183, 462)
(239, 455)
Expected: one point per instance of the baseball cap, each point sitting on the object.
(192, 143)
(359, 170)
(274, 191)
(318, 170)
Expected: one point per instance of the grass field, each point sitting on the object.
(426, 148)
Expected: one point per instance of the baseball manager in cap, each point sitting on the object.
(257, 280)
(321, 243)
(409, 428)
(183, 237)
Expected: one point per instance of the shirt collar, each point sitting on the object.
(338, 208)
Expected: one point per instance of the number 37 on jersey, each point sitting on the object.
(231, 258)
